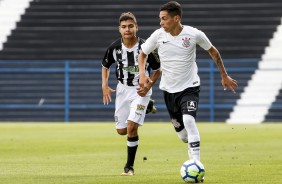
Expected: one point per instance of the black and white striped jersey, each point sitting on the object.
(126, 59)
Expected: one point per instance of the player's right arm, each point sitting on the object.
(106, 63)
(147, 47)
(105, 87)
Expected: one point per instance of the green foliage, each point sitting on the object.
(84, 153)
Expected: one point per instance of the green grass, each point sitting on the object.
(86, 153)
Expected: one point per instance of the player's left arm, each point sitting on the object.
(154, 63)
(154, 77)
(226, 80)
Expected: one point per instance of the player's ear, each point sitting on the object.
(176, 18)
(136, 27)
(119, 29)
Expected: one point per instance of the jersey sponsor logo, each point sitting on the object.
(140, 107)
(186, 42)
(191, 106)
(131, 69)
(175, 123)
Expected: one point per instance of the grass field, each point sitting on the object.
(86, 153)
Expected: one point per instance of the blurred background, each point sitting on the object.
(51, 52)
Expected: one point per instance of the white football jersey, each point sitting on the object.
(177, 56)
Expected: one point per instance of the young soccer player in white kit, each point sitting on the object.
(176, 44)
(130, 108)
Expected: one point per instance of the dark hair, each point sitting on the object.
(173, 8)
(127, 16)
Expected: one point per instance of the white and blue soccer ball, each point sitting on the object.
(192, 171)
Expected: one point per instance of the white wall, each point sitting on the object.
(264, 86)
(10, 14)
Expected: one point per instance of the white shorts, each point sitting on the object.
(130, 106)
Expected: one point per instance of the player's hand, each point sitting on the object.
(142, 91)
(227, 81)
(144, 80)
(107, 95)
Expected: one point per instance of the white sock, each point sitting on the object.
(182, 135)
(193, 137)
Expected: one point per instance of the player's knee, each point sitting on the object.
(132, 129)
(122, 131)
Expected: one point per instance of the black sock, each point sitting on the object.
(132, 145)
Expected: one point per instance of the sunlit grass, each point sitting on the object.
(93, 153)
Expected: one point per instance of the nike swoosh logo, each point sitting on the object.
(165, 42)
(195, 144)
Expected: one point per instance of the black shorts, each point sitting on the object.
(184, 102)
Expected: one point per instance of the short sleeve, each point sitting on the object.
(203, 41)
(108, 58)
(153, 60)
(151, 43)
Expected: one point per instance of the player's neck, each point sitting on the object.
(177, 30)
(129, 43)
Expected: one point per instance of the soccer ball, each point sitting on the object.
(192, 171)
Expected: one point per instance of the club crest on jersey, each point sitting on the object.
(191, 106)
(119, 51)
(186, 42)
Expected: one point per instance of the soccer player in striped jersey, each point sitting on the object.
(130, 108)
(176, 44)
